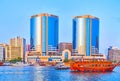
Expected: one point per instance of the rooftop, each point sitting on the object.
(86, 16)
(43, 14)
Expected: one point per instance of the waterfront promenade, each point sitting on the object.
(44, 73)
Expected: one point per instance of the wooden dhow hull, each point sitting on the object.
(91, 66)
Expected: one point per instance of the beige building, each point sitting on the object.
(66, 54)
(17, 48)
(114, 54)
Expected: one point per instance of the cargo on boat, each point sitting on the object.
(92, 66)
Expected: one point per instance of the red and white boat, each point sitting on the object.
(92, 66)
(1, 63)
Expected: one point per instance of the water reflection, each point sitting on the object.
(8, 73)
(96, 76)
(50, 74)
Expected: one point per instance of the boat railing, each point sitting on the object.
(117, 64)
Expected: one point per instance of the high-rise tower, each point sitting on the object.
(86, 35)
(44, 33)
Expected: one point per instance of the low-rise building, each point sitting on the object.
(65, 45)
(114, 54)
(2, 53)
(32, 57)
(6, 51)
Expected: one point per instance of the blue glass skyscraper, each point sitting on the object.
(44, 33)
(86, 35)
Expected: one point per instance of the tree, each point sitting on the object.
(19, 59)
(66, 60)
(71, 60)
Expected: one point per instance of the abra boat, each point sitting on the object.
(60, 66)
(93, 66)
(6, 64)
(20, 64)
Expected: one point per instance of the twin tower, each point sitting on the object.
(44, 34)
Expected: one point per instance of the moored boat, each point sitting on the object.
(1, 63)
(20, 64)
(61, 66)
(93, 66)
(6, 64)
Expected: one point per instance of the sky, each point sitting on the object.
(15, 18)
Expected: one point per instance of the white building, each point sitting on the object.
(2, 53)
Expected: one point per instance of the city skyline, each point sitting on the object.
(14, 18)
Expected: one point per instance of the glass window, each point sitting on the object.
(66, 55)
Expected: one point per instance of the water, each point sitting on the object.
(30, 73)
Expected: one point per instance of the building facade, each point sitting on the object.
(64, 45)
(114, 54)
(44, 33)
(17, 48)
(85, 35)
(28, 47)
(66, 54)
(2, 53)
(6, 51)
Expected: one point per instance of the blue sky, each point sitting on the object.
(15, 18)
